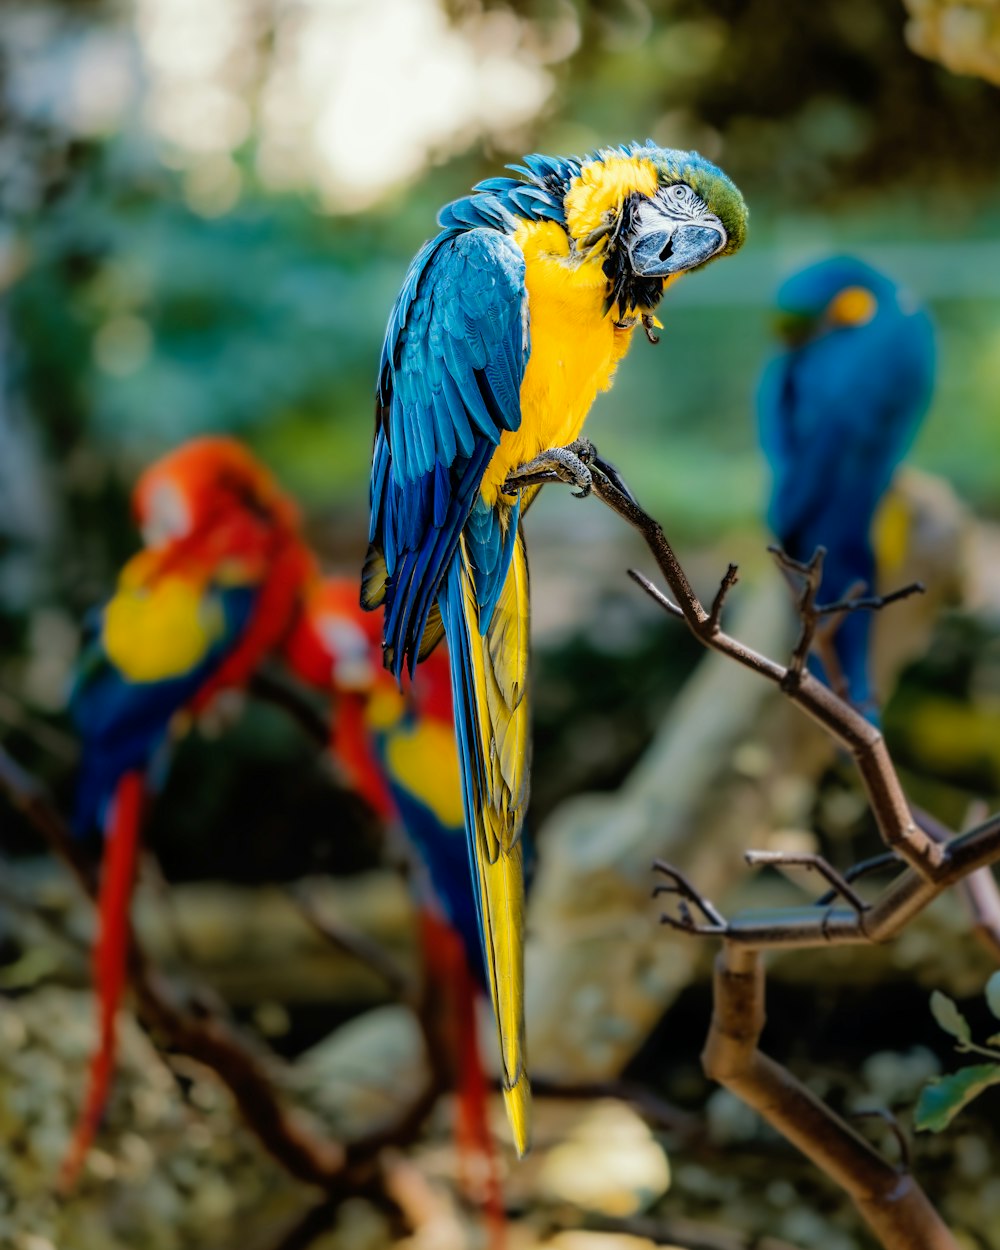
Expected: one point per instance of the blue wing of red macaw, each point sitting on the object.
(122, 723)
(837, 413)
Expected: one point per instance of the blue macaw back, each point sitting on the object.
(837, 413)
(123, 725)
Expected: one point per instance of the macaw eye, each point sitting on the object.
(680, 192)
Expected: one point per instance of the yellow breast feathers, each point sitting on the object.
(575, 348)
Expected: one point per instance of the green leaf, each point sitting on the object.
(941, 1100)
(993, 994)
(949, 1017)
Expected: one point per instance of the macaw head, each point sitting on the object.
(336, 645)
(203, 483)
(839, 293)
(656, 213)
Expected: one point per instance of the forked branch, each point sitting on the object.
(886, 1196)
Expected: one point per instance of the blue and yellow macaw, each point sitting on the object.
(216, 588)
(509, 323)
(399, 753)
(838, 408)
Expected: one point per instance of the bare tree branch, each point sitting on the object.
(203, 1032)
(847, 726)
(890, 1200)
(356, 944)
(887, 1197)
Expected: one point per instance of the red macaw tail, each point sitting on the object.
(456, 989)
(110, 963)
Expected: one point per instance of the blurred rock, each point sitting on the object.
(360, 1077)
(963, 35)
(163, 1176)
(609, 1163)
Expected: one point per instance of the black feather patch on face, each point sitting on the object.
(627, 289)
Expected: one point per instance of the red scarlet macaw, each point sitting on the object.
(399, 751)
(509, 323)
(215, 589)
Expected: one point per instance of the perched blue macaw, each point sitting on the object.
(838, 409)
(215, 589)
(509, 323)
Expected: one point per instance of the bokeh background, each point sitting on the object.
(205, 212)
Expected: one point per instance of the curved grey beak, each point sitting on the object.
(658, 253)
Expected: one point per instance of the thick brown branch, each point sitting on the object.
(891, 1202)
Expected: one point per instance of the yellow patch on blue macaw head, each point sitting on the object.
(854, 306)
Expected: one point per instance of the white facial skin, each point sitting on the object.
(166, 516)
(673, 231)
(352, 663)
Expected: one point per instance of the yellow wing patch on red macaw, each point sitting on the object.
(162, 630)
(423, 760)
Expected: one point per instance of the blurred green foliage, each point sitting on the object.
(134, 312)
(141, 313)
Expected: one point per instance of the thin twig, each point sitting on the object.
(49, 738)
(847, 726)
(809, 575)
(356, 944)
(655, 593)
(895, 1128)
(271, 689)
(870, 603)
(729, 580)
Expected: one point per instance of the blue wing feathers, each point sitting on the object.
(449, 385)
(123, 724)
